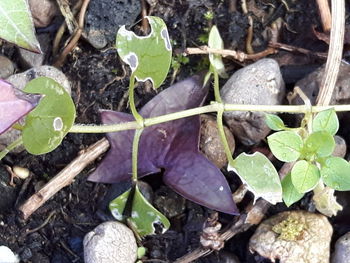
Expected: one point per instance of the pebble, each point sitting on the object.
(7, 256)
(293, 236)
(340, 147)
(43, 11)
(110, 242)
(6, 67)
(19, 81)
(102, 23)
(342, 250)
(168, 202)
(260, 83)
(210, 143)
(30, 59)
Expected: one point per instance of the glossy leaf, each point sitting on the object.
(260, 176)
(149, 57)
(215, 41)
(274, 122)
(172, 145)
(47, 125)
(144, 217)
(319, 143)
(326, 121)
(305, 176)
(14, 104)
(17, 24)
(290, 194)
(285, 145)
(335, 173)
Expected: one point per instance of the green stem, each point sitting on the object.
(10, 147)
(137, 116)
(216, 86)
(214, 107)
(223, 136)
(135, 149)
(17, 126)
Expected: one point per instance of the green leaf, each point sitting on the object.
(285, 145)
(51, 120)
(17, 24)
(335, 173)
(149, 57)
(326, 121)
(319, 143)
(290, 194)
(274, 122)
(144, 217)
(215, 41)
(305, 176)
(260, 176)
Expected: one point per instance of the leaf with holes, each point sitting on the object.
(149, 57)
(144, 217)
(17, 24)
(305, 176)
(285, 145)
(260, 176)
(215, 41)
(14, 104)
(172, 146)
(326, 121)
(47, 125)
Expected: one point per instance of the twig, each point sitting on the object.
(145, 25)
(64, 178)
(67, 14)
(47, 220)
(325, 14)
(334, 54)
(298, 50)
(74, 41)
(237, 55)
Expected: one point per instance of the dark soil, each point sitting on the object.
(80, 207)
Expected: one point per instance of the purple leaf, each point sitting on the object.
(172, 146)
(14, 104)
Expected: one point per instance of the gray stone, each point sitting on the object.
(342, 250)
(105, 17)
(110, 242)
(293, 236)
(260, 83)
(30, 59)
(43, 11)
(168, 202)
(340, 147)
(6, 67)
(19, 81)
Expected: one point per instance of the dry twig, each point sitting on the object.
(325, 14)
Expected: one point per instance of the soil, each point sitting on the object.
(54, 233)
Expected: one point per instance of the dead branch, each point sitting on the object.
(325, 14)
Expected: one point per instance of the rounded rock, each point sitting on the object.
(260, 83)
(110, 242)
(342, 249)
(43, 11)
(6, 67)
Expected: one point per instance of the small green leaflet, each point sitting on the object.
(51, 120)
(274, 122)
(335, 173)
(149, 57)
(319, 143)
(305, 176)
(290, 194)
(144, 216)
(260, 176)
(215, 41)
(326, 121)
(285, 145)
(17, 24)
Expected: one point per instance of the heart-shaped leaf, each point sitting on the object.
(319, 144)
(326, 121)
(144, 217)
(260, 176)
(149, 57)
(47, 125)
(305, 176)
(285, 145)
(14, 104)
(17, 24)
(172, 146)
(335, 173)
(274, 122)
